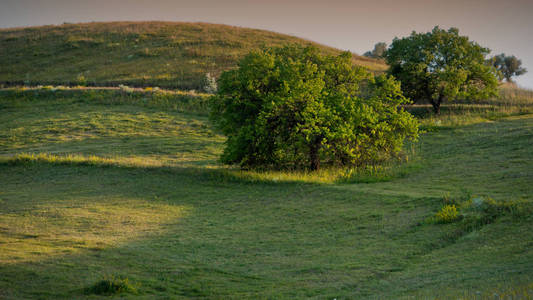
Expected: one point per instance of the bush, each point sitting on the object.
(486, 209)
(475, 212)
(293, 108)
(81, 80)
(447, 214)
(112, 285)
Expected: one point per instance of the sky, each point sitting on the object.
(504, 26)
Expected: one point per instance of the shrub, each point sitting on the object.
(112, 285)
(81, 80)
(447, 214)
(293, 108)
(475, 212)
(487, 209)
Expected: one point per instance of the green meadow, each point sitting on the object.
(119, 194)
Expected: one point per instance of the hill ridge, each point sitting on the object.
(145, 53)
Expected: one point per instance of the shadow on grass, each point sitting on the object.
(241, 239)
(219, 173)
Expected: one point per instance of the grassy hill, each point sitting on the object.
(164, 54)
(123, 186)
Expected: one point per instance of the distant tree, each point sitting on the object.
(293, 108)
(441, 65)
(378, 52)
(508, 66)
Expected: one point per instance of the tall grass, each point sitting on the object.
(514, 96)
(511, 101)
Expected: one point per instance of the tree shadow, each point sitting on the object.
(238, 237)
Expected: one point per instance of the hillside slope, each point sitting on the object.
(165, 54)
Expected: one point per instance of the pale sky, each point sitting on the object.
(501, 25)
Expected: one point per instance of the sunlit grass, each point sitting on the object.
(106, 125)
(80, 160)
(384, 172)
(79, 224)
(368, 174)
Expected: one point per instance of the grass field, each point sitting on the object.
(103, 186)
(164, 54)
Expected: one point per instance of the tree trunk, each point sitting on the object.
(313, 156)
(436, 104)
(436, 108)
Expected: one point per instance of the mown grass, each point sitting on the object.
(97, 187)
(114, 125)
(164, 54)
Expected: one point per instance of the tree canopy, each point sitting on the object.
(378, 52)
(293, 108)
(441, 65)
(509, 66)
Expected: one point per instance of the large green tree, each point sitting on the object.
(441, 65)
(293, 108)
(508, 66)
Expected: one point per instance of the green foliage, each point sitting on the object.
(447, 214)
(112, 285)
(441, 65)
(293, 108)
(81, 80)
(475, 212)
(509, 66)
(485, 209)
(378, 52)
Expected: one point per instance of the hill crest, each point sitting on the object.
(165, 54)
